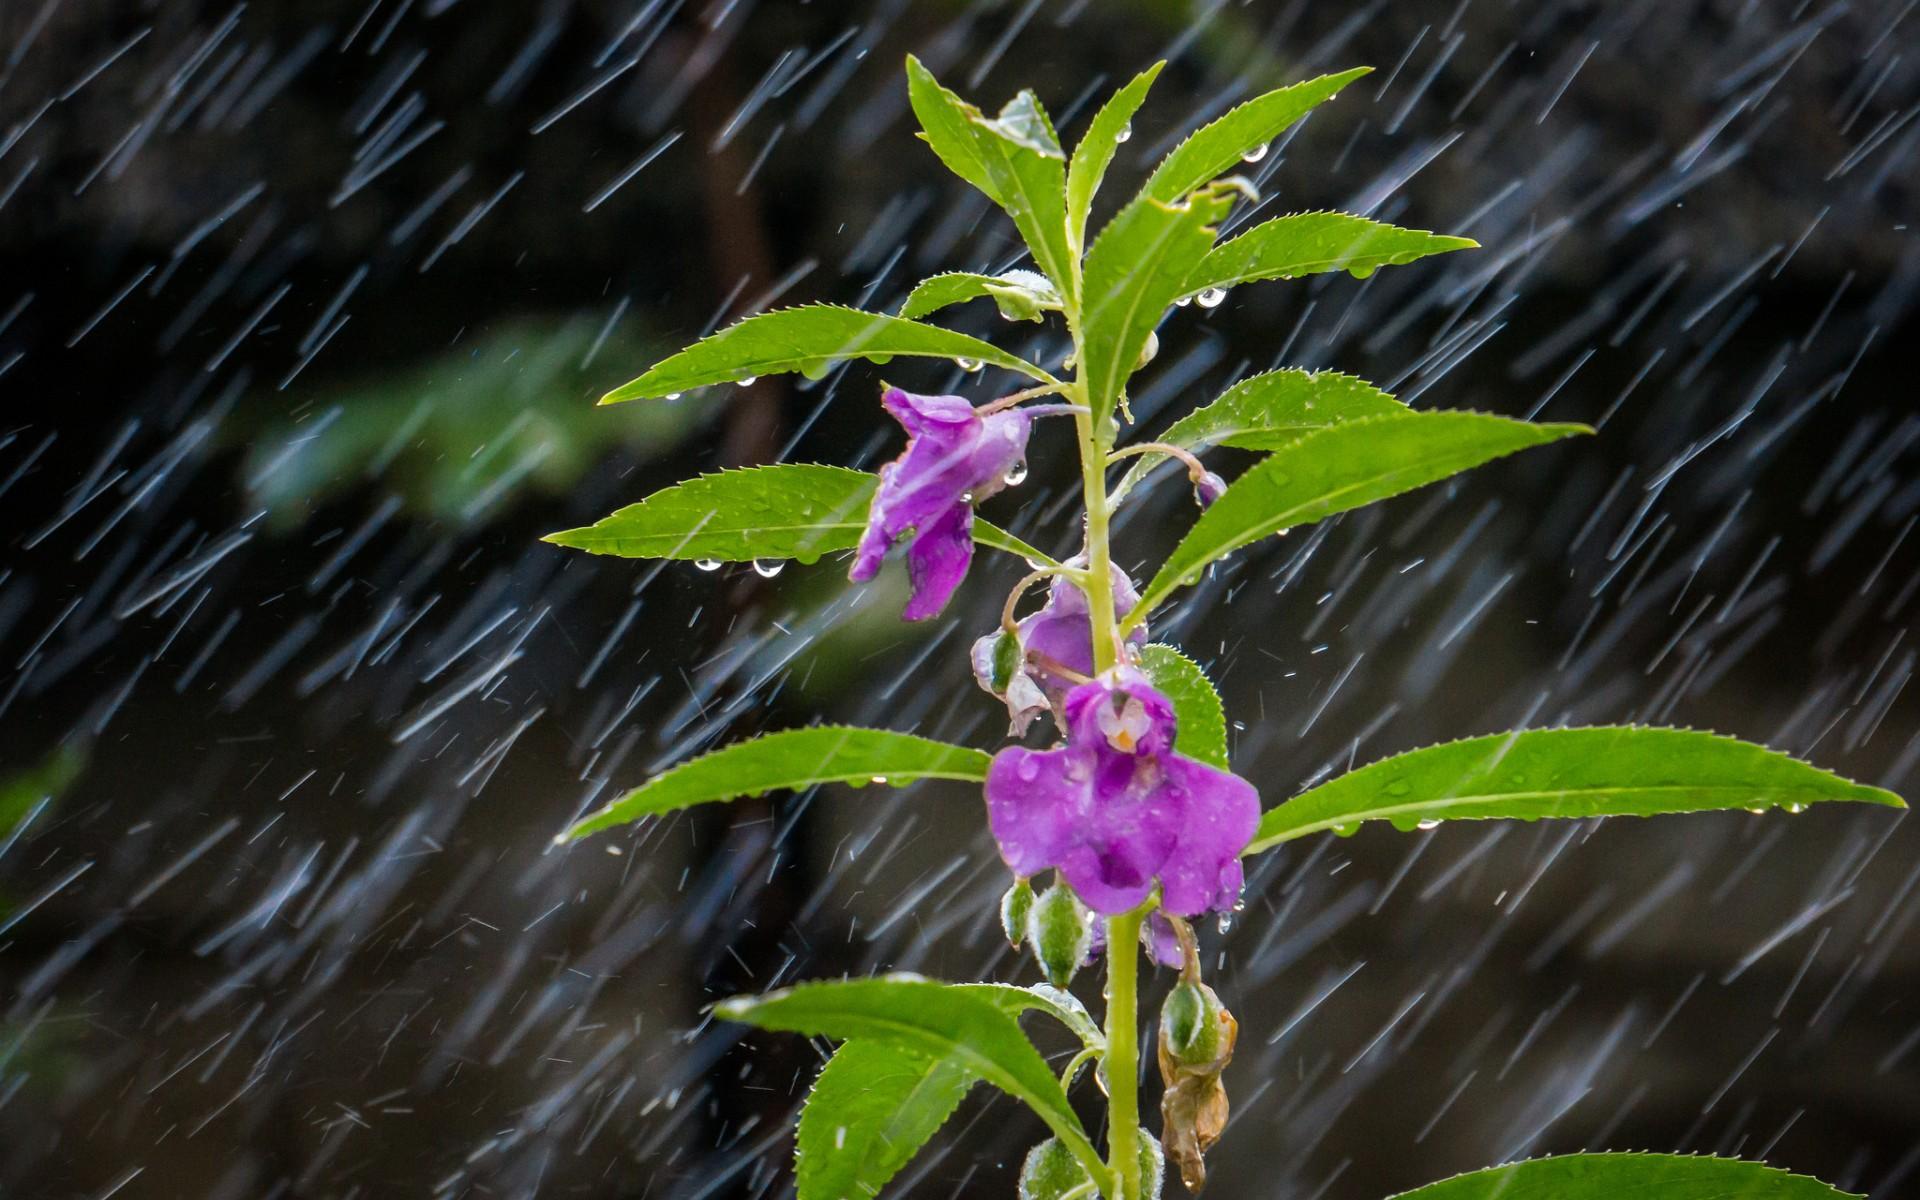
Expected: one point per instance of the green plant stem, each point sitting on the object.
(1099, 578)
(1123, 1054)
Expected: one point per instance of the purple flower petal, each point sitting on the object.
(1115, 809)
(1162, 943)
(954, 458)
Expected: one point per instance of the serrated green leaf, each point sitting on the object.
(1097, 146)
(1058, 1003)
(946, 121)
(1137, 267)
(809, 339)
(788, 510)
(1021, 295)
(1338, 468)
(1215, 148)
(1310, 243)
(1202, 730)
(1022, 157)
(936, 1020)
(1624, 1176)
(1265, 412)
(791, 759)
(1591, 772)
(872, 1108)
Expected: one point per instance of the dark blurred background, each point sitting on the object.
(303, 308)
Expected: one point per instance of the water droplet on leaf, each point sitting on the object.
(767, 568)
(1211, 297)
(707, 564)
(1256, 154)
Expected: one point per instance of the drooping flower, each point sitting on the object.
(1116, 810)
(954, 458)
(1058, 635)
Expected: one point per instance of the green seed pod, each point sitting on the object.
(1190, 1026)
(1050, 1172)
(1153, 1166)
(1061, 930)
(1015, 907)
(1006, 660)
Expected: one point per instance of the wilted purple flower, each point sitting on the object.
(1116, 809)
(1060, 634)
(954, 459)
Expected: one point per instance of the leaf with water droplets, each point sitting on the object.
(872, 1108)
(1589, 772)
(788, 510)
(1310, 243)
(1136, 268)
(790, 760)
(946, 122)
(807, 339)
(1619, 1176)
(1218, 146)
(1202, 729)
(1265, 412)
(1021, 295)
(1108, 129)
(1338, 468)
(1022, 156)
(934, 1019)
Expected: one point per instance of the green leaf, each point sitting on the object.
(1021, 295)
(1598, 772)
(1097, 147)
(791, 759)
(874, 1105)
(946, 122)
(1309, 243)
(808, 339)
(1202, 731)
(1137, 267)
(789, 510)
(1060, 1004)
(1624, 1176)
(936, 1020)
(1265, 412)
(1022, 157)
(1217, 147)
(1338, 468)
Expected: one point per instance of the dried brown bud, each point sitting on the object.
(1197, 1034)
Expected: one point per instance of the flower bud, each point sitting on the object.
(1208, 487)
(1190, 1023)
(1061, 929)
(1005, 661)
(1015, 907)
(1050, 1172)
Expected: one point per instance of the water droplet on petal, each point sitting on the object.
(767, 568)
(1225, 923)
(1256, 154)
(1211, 297)
(707, 564)
(1016, 474)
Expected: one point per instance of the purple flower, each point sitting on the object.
(1059, 635)
(954, 458)
(1208, 487)
(1116, 809)
(1157, 937)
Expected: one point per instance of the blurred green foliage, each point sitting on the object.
(457, 436)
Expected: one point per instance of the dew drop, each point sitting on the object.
(880, 779)
(1398, 787)
(1125, 132)
(747, 380)
(968, 364)
(1225, 923)
(1256, 154)
(1183, 301)
(1016, 474)
(966, 497)
(1211, 297)
(1429, 823)
(767, 568)
(674, 395)
(707, 564)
